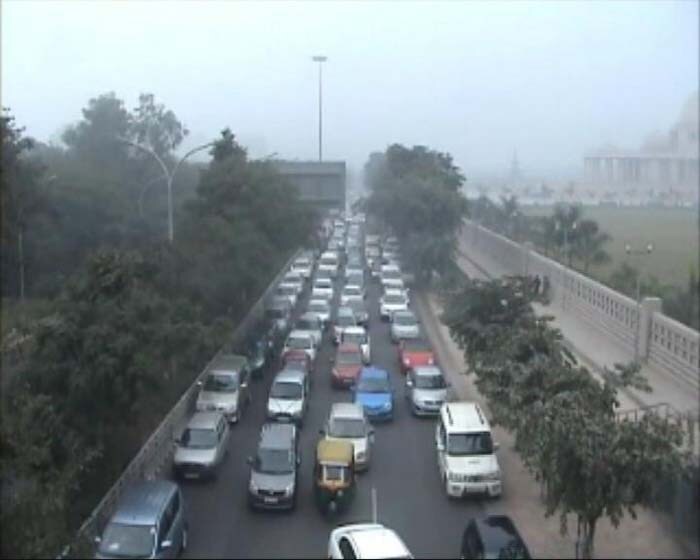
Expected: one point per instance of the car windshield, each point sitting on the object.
(373, 385)
(128, 541)
(405, 319)
(334, 473)
(347, 428)
(197, 438)
(353, 291)
(478, 443)
(221, 383)
(416, 345)
(357, 306)
(286, 290)
(391, 274)
(429, 382)
(318, 308)
(286, 390)
(331, 261)
(350, 358)
(274, 461)
(299, 342)
(323, 284)
(296, 364)
(345, 320)
(394, 299)
(307, 325)
(355, 338)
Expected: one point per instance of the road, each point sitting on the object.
(403, 474)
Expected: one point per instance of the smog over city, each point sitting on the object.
(392, 279)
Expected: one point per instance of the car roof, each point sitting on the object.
(346, 310)
(349, 347)
(289, 375)
(204, 420)
(371, 372)
(497, 531)
(143, 502)
(355, 330)
(276, 435)
(298, 333)
(318, 301)
(228, 363)
(309, 316)
(347, 410)
(416, 345)
(464, 417)
(279, 302)
(427, 371)
(377, 542)
(405, 313)
(352, 286)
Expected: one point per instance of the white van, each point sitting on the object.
(465, 451)
(329, 261)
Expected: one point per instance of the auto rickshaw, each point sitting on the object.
(334, 478)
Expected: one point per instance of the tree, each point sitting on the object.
(589, 242)
(151, 124)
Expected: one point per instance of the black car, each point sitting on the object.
(494, 536)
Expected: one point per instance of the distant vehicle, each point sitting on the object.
(351, 292)
(322, 309)
(465, 451)
(374, 393)
(278, 312)
(390, 303)
(289, 291)
(346, 365)
(202, 446)
(303, 266)
(289, 397)
(274, 470)
(297, 360)
(404, 325)
(311, 323)
(391, 277)
(149, 522)
(329, 261)
(347, 421)
(355, 277)
(426, 390)
(357, 335)
(295, 279)
(322, 289)
(225, 387)
(360, 310)
(415, 352)
(345, 318)
(301, 340)
(366, 540)
(493, 536)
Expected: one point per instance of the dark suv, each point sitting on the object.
(275, 469)
(494, 536)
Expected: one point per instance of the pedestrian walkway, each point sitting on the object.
(646, 536)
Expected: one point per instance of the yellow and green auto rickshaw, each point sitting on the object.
(334, 477)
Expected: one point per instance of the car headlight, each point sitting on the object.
(360, 456)
(406, 362)
(455, 477)
(431, 361)
(387, 405)
(289, 490)
(495, 475)
(253, 487)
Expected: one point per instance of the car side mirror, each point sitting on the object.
(496, 445)
(165, 545)
(199, 383)
(298, 460)
(244, 385)
(177, 441)
(98, 540)
(440, 446)
(409, 383)
(249, 460)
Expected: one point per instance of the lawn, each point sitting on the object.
(673, 232)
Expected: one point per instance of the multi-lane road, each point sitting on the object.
(402, 486)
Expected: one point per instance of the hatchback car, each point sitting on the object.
(289, 291)
(322, 289)
(274, 470)
(344, 319)
(404, 325)
(322, 309)
(426, 390)
(225, 387)
(346, 365)
(311, 323)
(366, 540)
(415, 352)
(289, 397)
(301, 340)
(351, 292)
(278, 312)
(361, 314)
(149, 522)
(357, 335)
(202, 446)
(391, 302)
(303, 266)
(347, 421)
(374, 393)
(493, 536)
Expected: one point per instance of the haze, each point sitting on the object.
(550, 79)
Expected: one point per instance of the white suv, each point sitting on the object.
(465, 451)
(366, 540)
(329, 261)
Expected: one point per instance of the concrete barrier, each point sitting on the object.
(156, 454)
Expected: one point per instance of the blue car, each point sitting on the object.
(373, 392)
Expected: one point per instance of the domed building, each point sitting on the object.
(667, 163)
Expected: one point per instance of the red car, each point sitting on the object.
(296, 359)
(347, 365)
(415, 352)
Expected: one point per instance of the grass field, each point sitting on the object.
(673, 231)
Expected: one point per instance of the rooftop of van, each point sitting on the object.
(459, 417)
(204, 420)
(142, 503)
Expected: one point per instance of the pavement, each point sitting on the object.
(645, 537)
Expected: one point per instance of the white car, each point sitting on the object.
(322, 289)
(404, 325)
(366, 540)
(345, 318)
(288, 291)
(301, 340)
(303, 266)
(321, 308)
(311, 323)
(289, 397)
(348, 422)
(329, 261)
(294, 279)
(351, 292)
(357, 335)
(391, 302)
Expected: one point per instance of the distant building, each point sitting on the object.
(666, 163)
(321, 183)
(515, 176)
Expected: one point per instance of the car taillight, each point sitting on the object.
(431, 361)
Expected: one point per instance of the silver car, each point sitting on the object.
(202, 446)
(225, 388)
(311, 323)
(404, 325)
(322, 309)
(289, 397)
(426, 390)
(347, 421)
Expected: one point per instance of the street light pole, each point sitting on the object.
(320, 59)
(169, 175)
(638, 252)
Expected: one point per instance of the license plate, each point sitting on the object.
(270, 500)
(191, 475)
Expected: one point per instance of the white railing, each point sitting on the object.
(673, 346)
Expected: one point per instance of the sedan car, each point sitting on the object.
(289, 291)
(360, 310)
(426, 390)
(322, 289)
(202, 447)
(404, 325)
(321, 308)
(301, 340)
(493, 536)
(347, 421)
(415, 352)
(391, 302)
(344, 319)
(289, 397)
(351, 292)
(311, 323)
(303, 266)
(357, 335)
(374, 393)
(366, 540)
(346, 365)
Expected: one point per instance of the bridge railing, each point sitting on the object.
(155, 456)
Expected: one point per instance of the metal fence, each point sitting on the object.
(156, 454)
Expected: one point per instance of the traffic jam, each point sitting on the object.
(316, 330)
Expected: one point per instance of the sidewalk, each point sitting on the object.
(645, 537)
(593, 349)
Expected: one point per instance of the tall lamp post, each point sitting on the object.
(563, 226)
(320, 59)
(638, 252)
(168, 175)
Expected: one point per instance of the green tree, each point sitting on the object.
(589, 243)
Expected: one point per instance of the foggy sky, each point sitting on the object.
(550, 79)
